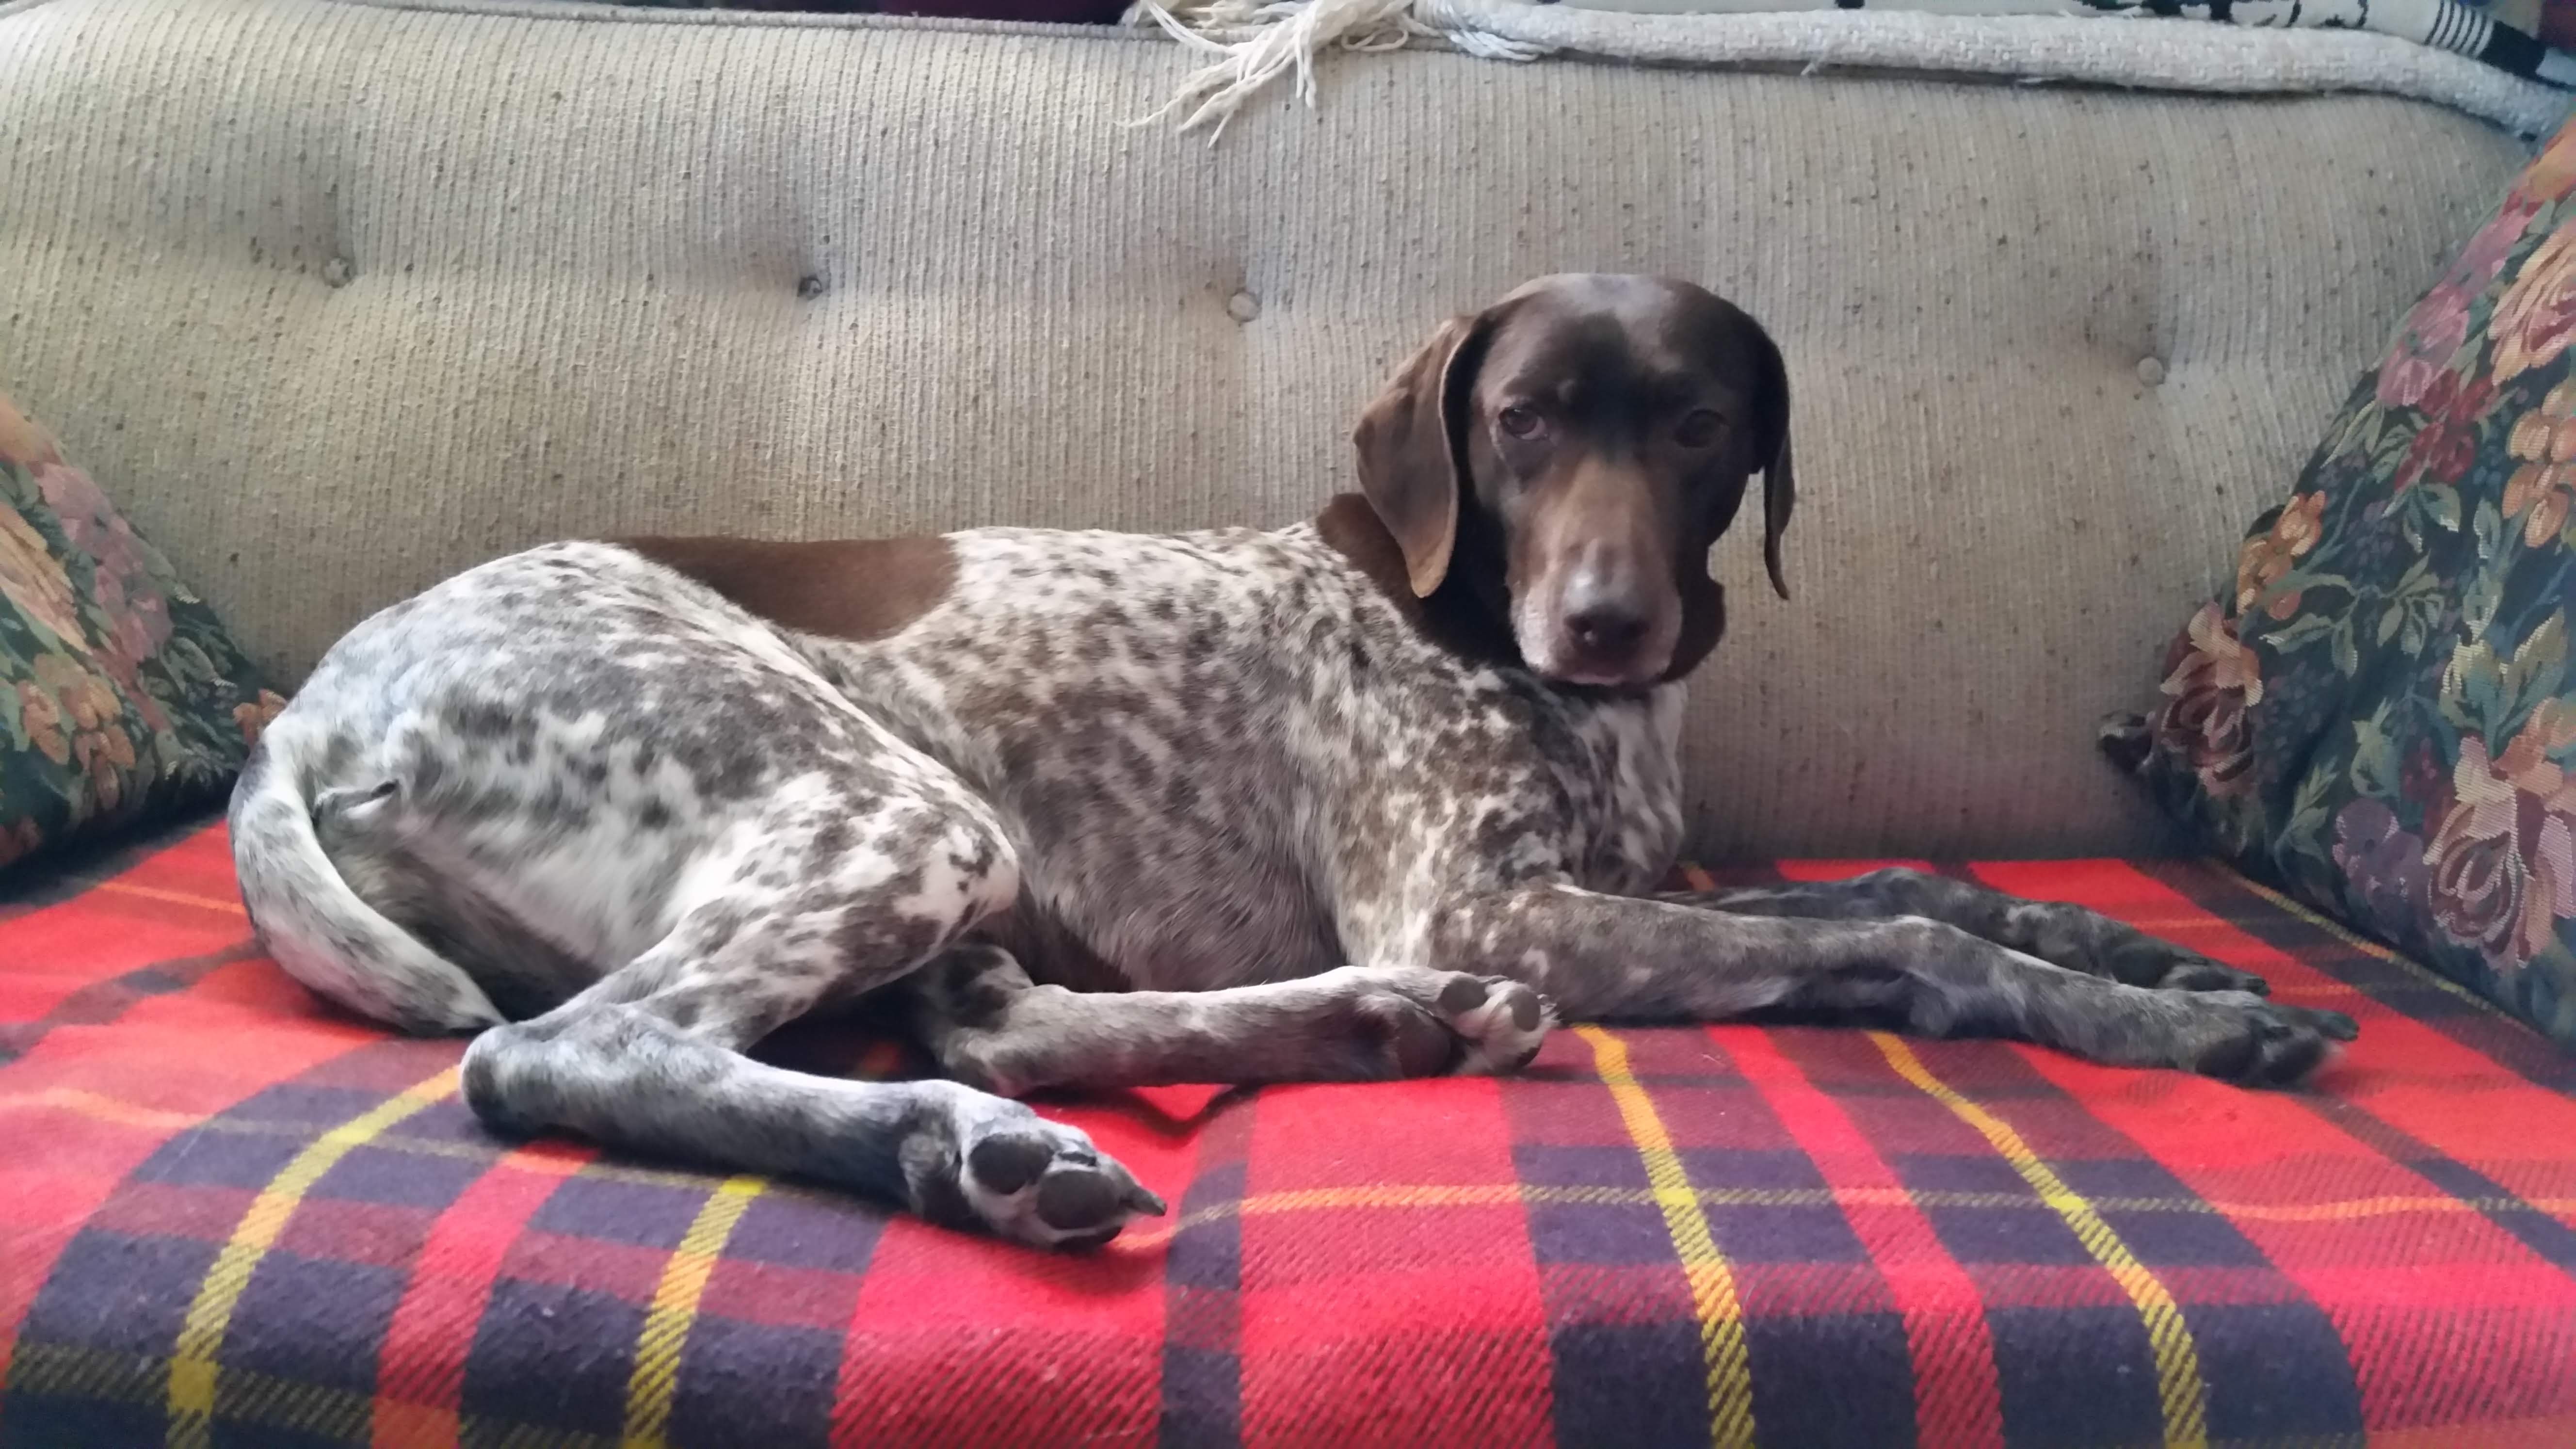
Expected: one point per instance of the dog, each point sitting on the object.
(1381, 794)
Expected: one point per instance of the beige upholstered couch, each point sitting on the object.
(339, 297)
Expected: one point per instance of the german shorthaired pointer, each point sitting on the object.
(1376, 795)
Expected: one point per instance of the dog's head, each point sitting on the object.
(1563, 461)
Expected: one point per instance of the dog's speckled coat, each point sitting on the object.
(1113, 809)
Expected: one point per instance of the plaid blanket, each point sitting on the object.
(227, 1217)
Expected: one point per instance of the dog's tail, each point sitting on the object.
(311, 920)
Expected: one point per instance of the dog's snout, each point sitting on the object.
(1606, 628)
(1605, 619)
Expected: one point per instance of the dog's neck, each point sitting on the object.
(1456, 616)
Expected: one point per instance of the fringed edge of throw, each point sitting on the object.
(1253, 43)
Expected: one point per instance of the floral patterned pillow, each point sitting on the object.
(2380, 716)
(121, 696)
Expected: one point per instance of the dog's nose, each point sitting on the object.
(1606, 629)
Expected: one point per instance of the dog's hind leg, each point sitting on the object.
(988, 1024)
(650, 1058)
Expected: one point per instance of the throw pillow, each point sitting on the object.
(122, 699)
(2379, 716)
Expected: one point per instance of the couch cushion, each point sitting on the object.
(2378, 714)
(243, 1217)
(121, 696)
(396, 291)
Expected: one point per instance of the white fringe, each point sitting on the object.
(1255, 42)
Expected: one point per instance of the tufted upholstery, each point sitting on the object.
(340, 297)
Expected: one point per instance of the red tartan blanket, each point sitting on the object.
(227, 1217)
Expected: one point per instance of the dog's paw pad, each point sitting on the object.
(1080, 1201)
(1499, 1025)
(1005, 1164)
(1463, 994)
(1423, 1023)
(1043, 1183)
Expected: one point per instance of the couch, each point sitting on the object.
(338, 296)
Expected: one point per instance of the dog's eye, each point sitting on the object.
(1699, 429)
(1520, 422)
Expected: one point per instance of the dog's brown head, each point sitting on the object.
(1562, 461)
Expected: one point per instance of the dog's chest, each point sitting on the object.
(1187, 736)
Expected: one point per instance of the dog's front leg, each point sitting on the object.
(1603, 957)
(2061, 934)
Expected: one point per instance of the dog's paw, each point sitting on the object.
(2241, 1038)
(1447, 1023)
(2098, 945)
(2195, 973)
(1500, 1025)
(2125, 741)
(1012, 1173)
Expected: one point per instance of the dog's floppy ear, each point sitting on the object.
(1779, 483)
(1411, 469)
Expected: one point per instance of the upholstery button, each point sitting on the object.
(1243, 306)
(809, 287)
(336, 272)
(2151, 370)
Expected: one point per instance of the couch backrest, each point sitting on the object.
(340, 298)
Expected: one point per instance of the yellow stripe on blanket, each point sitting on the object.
(1712, 1284)
(656, 1378)
(2185, 1398)
(194, 1366)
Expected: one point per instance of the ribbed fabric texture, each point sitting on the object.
(338, 299)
